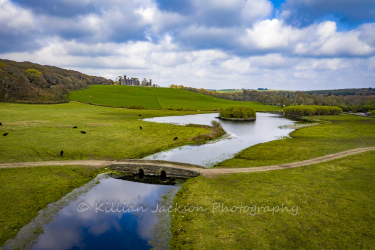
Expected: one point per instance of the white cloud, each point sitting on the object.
(271, 34)
(317, 40)
(326, 41)
(14, 18)
(256, 10)
(272, 61)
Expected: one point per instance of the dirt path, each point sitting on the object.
(204, 172)
(221, 171)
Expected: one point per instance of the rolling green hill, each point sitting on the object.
(156, 98)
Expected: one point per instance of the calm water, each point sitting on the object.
(241, 135)
(114, 214)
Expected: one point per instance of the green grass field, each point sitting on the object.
(156, 98)
(336, 204)
(344, 132)
(335, 199)
(40, 132)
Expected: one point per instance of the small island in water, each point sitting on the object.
(238, 113)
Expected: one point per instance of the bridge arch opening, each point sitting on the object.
(141, 173)
(163, 175)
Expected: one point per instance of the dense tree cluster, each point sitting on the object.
(309, 110)
(349, 100)
(26, 81)
(241, 112)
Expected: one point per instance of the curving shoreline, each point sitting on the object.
(236, 119)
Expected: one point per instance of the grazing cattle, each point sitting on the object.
(175, 139)
(1, 124)
(140, 127)
(83, 132)
(61, 153)
(140, 115)
(5, 134)
(75, 127)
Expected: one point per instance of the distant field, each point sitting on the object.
(156, 98)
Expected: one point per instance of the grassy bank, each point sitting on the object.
(343, 132)
(157, 98)
(25, 191)
(40, 132)
(335, 201)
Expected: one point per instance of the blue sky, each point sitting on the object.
(291, 44)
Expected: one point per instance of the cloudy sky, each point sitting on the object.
(277, 44)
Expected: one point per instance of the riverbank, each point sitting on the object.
(323, 206)
(258, 210)
(25, 191)
(334, 134)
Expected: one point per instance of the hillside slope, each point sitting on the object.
(156, 98)
(26, 81)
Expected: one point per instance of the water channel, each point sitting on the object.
(240, 135)
(115, 213)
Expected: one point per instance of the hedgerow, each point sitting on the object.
(310, 110)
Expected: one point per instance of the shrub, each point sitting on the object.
(344, 108)
(353, 108)
(34, 72)
(238, 112)
(215, 124)
(310, 110)
(136, 107)
(365, 108)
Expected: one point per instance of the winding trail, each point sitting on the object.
(201, 170)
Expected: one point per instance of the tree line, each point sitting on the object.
(362, 100)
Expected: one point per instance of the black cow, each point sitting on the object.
(1, 124)
(83, 132)
(61, 153)
(140, 127)
(140, 115)
(175, 139)
(75, 127)
(5, 134)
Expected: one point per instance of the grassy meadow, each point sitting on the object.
(335, 200)
(40, 132)
(156, 98)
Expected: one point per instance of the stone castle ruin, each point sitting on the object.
(134, 81)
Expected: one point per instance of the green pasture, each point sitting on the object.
(335, 200)
(40, 132)
(342, 132)
(156, 98)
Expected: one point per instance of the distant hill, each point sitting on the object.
(156, 98)
(31, 82)
(343, 92)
